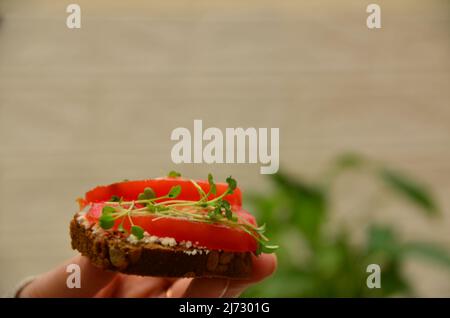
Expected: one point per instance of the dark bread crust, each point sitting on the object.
(110, 252)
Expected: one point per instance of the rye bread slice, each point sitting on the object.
(111, 251)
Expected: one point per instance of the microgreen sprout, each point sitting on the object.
(216, 210)
(174, 192)
(212, 185)
(115, 198)
(147, 194)
(173, 174)
(137, 231)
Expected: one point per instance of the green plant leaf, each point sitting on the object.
(213, 188)
(267, 209)
(108, 210)
(228, 214)
(343, 163)
(307, 203)
(429, 251)
(382, 239)
(393, 281)
(349, 160)
(106, 221)
(335, 267)
(232, 184)
(114, 198)
(410, 189)
(173, 174)
(137, 231)
(147, 194)
(121, 228)
(174, 191)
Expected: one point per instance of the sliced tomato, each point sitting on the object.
(211, 236)
(129, 190)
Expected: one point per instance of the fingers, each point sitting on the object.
(54, 282)
(110, 288)
(263, 266)
(96, 282)
(207, 287)
(178, 288)
(132, 286)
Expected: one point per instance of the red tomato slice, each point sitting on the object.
(206, 235)
(129, 190)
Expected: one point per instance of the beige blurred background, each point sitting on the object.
(96, 105)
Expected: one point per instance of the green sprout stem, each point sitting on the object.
(215, 211)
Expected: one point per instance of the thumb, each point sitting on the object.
(54, 282)
(263, 266)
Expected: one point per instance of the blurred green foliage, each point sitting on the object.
(315, 261)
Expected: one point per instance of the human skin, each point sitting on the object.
(99, 283)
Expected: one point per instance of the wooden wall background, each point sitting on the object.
(95, 105)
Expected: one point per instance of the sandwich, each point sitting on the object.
(169, 227)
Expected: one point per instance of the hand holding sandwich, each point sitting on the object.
(163, 237)
(99, 283)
